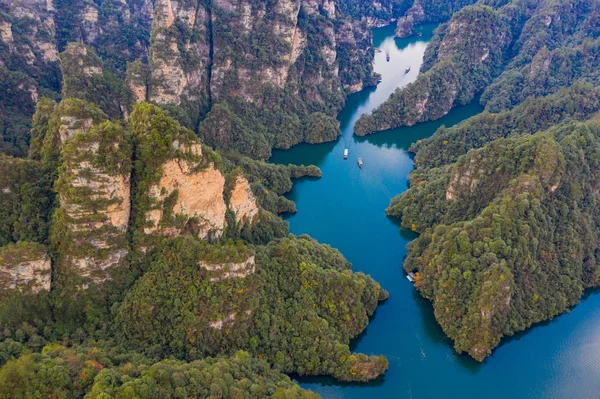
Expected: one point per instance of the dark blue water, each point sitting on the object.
(346, 208)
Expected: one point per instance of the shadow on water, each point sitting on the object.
(434, 332)
(404, 137)
(330, 381)
(532, 329)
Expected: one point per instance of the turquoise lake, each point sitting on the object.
(346, 209)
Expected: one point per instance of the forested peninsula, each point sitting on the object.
(506, 201)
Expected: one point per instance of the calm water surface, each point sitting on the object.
(346, 209)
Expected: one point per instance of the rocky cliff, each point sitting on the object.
(25, 267)
(85, 77)
(94, 193)
(242, 201)
(180, 56)
(428, 11)
(192, 196)
(291, 59)
(177, 187)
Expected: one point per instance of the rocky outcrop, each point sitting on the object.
(463, 180)
(189, 195)
(6, 32)
(79, 62)
(281, 23)
(68, 118)
(414, 16)
(179, 59)
(94, 193)
(242, 201)
(38, 44)
(24, 266)
(229, 270)
(137, 81)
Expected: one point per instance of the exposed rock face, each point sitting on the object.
(207, 63)
(218, 324)
(178, 74)
(89, 22)
(242, 201)
(199, 195)
(463, 180)
(79, 62)
(137, 81)
(282, 22)
(40, 45)
(188, 195)
(94, 192)
(414, 16)
(6, 32)
(25, 266)
(69, 117)
(223, 271)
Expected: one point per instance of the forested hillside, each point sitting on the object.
(506, 201)
(503, 52)
(509, 233)
(128, 240)
(247, 75)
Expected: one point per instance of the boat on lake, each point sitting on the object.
(387, 56)
(411, 277)
(346, 153)
(407, 70)
(360, 162)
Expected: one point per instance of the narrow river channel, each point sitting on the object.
(346, 209)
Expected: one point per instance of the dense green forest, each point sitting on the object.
(78, 371)
(505, 201)
(143, 297)
(250, 77)
(506, 205)
(504, 51)
(137, 261)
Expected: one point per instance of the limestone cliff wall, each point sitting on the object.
(179, 52)
(242, 201)
(94, 192)
(230, 270)
(187, 196)
(25, 266)
(234, 49)
(39, 45)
